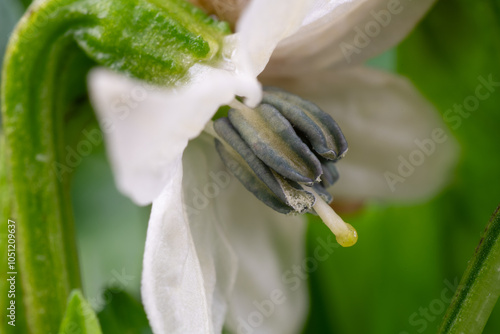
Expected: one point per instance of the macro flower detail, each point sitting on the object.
(273, 162)
(212, 250)
(273, 139)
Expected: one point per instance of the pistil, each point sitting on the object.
(345, 233)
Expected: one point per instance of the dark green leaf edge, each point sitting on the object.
(479, 288)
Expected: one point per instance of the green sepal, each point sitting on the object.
(80, 317)
(157, 41)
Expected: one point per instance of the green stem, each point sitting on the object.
(5, 293)
(479, 288)
(43, 74)
(34, 126)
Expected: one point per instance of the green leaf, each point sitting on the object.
(479, 288)
(80, 317)
(123, 314)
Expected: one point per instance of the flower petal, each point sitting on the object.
(196, 242)
(147, 128)
(267, 244)
(399, 148)
(269, 296)
(343, 33)
(262, 26)
(189, 266)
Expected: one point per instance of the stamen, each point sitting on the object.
(284, 152)
(273, 140)
(282, 195)
(320, 129)
(345, 233)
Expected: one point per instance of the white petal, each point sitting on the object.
(190, 259)
(270, 295)
(386, 122)
(344, 33)
(262, 26)
(147, 128)
(189, 266)
(267, 244)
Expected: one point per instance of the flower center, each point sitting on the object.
(284, 152)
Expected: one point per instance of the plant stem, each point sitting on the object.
(479, 288)
(34, 109)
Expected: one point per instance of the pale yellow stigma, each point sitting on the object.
(345, 234)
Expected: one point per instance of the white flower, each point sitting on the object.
(214, 254)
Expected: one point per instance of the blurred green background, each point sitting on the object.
(398, 278)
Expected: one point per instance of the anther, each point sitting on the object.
(272, 139)
(330, 173)
(275, 191)
(284, 152)
(318, 127)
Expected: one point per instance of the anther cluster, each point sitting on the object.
(278, 148)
